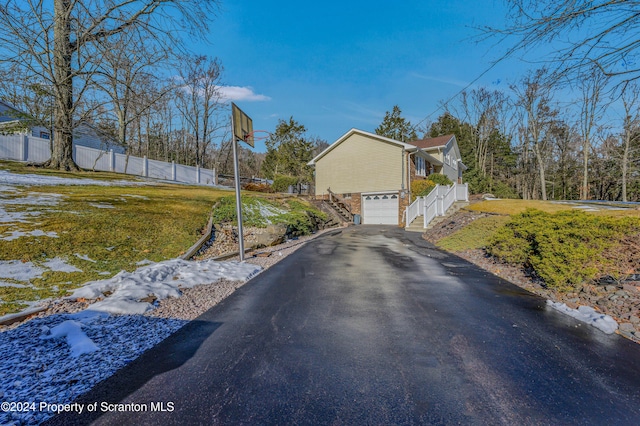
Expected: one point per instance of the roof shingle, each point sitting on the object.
(432, 142)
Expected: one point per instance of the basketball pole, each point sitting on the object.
(236, 170)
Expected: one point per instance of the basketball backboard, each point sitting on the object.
(242, 125)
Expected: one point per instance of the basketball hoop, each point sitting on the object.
(251, 135)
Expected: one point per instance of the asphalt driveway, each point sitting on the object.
(372, 325)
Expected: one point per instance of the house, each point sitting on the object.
(444, 148)
(14, 121)
(370, 175)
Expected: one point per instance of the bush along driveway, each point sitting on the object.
(570, 257)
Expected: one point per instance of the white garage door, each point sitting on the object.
(380, 209)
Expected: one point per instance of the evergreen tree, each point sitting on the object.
(396, 127)
(288, 152)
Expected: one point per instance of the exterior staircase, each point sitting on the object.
(339, 206)
(440, 203)
(336, 208)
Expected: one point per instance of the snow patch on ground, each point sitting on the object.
(77, 340)
(19, 271)
(26, 271)
(14, 235)
(5, 284)
(132, 292)
(102, 205)
(8, 178)
(259, 208)
(59, 265)
(589, 315)
(85, 257)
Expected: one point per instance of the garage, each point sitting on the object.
(380, 208)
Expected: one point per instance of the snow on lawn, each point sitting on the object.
(258, 208)
(589, 315)
(12, 195)
(26, 271)
(57, 358)
(7, 178)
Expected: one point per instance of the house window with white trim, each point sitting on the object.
(421, 167)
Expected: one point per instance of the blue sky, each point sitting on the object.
(335, 65)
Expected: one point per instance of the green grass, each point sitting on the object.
(155, 222)
(476, 235)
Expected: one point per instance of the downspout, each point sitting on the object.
(402, 178)
(409, 173)
(408, 182)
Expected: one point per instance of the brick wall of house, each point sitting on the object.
(356, 203)
(403, 204)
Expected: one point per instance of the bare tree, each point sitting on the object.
(125, 75)
(58, 44)
(200, 100)
(582, 33)
(630, 132)
(565, 173)
(592, 86)
(534, 100)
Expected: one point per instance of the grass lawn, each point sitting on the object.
(511, 207)
(98, 230)
(476, 235)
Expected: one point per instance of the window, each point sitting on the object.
(45, 135)
(421, 167)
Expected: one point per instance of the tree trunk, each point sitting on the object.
(541, 172)
(62, 155)
(625, 165)
(585, 171)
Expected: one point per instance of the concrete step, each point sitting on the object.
(414, 229)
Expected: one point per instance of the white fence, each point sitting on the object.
(439, 200)
(37, 150)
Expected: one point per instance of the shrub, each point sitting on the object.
(281, 183)
(258, 187)
(439, 179)
(565, 248)
(420, 188)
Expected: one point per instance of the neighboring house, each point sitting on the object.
(84, 135)
(372, 174)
